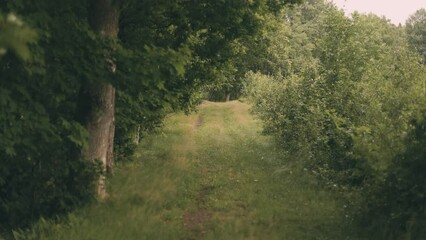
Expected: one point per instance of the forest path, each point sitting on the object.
(210, 175)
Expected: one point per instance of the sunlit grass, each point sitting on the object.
(209, 177)
(258, 192)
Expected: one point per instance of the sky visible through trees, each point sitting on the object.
(397, 11)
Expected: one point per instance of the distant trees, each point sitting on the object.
(346, 97)
(416, 31)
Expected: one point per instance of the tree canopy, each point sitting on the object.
(416, 30)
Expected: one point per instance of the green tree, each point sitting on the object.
(416, 30)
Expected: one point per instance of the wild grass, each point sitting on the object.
(258, 192)
(210, 175)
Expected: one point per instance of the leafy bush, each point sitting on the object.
(305, 128)
(395, 208)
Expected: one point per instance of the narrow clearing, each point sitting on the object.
(210, 175)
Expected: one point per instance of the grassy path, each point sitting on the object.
(211, 175)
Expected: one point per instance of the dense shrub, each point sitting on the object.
(395, 208)
(306, 129)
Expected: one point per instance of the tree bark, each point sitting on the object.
(100, 126)
(100, 121)
(136, 135)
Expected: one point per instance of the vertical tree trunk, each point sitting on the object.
(101, 96)
(228, 97)
(110, 153)
(100, 126)
(136, 135)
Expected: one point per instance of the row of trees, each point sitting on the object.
(346, 96)
(81, 80)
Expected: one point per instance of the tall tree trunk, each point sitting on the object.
(100, 122)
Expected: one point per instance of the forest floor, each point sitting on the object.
(209, 175)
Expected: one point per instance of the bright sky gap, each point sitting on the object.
(397, 11)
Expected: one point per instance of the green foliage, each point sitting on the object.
(171, 50)
(41, 171)
(397, 204)
(237, 50)
(416, 31)
(15, 35)
(343, 106)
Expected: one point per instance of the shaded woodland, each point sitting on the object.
(82, 82)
